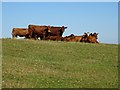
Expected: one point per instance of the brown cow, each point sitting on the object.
(68, 38)
(21, 32)
(56, 31)
(85, 37)
(77, 38)
(38, 31)
(92, 38)
(95, 35)
(54, 38)
(72, 38)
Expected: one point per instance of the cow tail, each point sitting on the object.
(13, 33)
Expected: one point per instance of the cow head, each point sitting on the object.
(95, 35)
(90, 34)
(85, 35)
(63, 28)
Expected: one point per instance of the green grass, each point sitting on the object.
(52, 64)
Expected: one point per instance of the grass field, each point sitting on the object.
(52, 64)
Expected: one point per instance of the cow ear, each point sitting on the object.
(65, 27)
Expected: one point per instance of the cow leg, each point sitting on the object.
(13, 36)
(26, 36)
(31, 35)
(35, 37)
(43, 36)
(97, 41)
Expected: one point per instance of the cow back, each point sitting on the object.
(20, 31)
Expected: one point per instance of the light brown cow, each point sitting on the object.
(72, 38)
(21, 32)
(92, 38)
(68, 38)
(77, 38)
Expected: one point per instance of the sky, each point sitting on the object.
(60, 0)
(79, 17)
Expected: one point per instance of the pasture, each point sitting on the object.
(56, 64)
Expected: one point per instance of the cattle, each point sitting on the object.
(21, 32)
(54, 38)
(92, 38)
(69, 38)
(72, 38)
(77, 38)
(85, 37)
(95, 35)
(56, 31)
(38, 31)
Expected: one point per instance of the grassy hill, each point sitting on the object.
(52, 64)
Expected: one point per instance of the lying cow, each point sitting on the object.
(77, 38)
(68, 38)
(21, 32)
(54, 38)
(72, 38)
(92, 38)
(85, 37)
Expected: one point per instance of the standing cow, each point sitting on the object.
(38, 31)
(56, 31)
(21, 32)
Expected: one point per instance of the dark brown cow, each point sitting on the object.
(54, 38)
(21, 32)
(56, 31)
(92, 38)
(38, 31)
(84, 37)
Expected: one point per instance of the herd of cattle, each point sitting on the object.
(52, 33)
